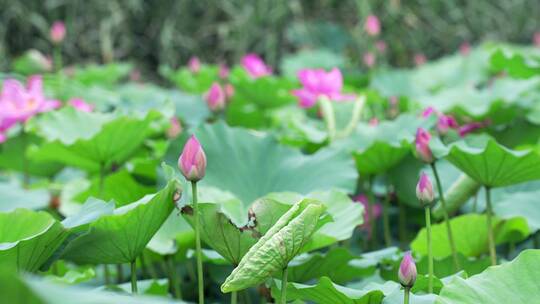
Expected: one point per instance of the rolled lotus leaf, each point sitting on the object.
(277, 247)
(457, 195)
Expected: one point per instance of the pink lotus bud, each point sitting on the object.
(255, 66)
(192, 161)
(223, 71)
(58, 32)
(422, 145)
(215, 97)
(380, 46)
(175, 128)
(372, 25)
(424, 189)
(536, 39)
(407, 271)
(194, 65)
(80, 105)
(419, 59)
(369, 59)
(446, 122)
(465, 48)
(470, 127)
(428, 111)
(229, 91)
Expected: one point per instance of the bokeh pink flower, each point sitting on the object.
(372, 25)
(369, 59)
(422, 145)
(318, 83)
(465, 48)
(194, 65)
(377, 210)
(81, 105)
(255, 66)
(215, 97)
(419, 59)
(58, 32)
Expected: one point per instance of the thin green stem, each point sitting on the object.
(491, 239)
(234, 297)
(284, 287)
(175, 286)
(355, 117)
(329, 117)
(386, 220)
(402, 222)
(371, 215)
(106, 274)
(134, 277)
(430, 251)
(406, 295)
(457, 266)
(198, 249)
(119, 274)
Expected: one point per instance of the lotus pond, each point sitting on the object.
(242, 184)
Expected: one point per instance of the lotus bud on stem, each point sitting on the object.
(424, 193)
(407, 275)
(192, 164)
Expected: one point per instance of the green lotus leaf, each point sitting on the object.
(327, 292)
(175, 235)
(470, 235)
(277, 247)
(90, 140)
(121, 237)
(516, 65)
(251, 165)
(101, 75)
(191, 82)
(493, 165)
(13, 150)
(457, 195)
(28, 239)
(522, 204)
(513, 282)
(13, 196)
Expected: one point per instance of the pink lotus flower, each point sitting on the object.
(380, 45)
(317, 83)
(223, 71)
(420, 59)
(369, 59)
(215, 97)
(377, 210)
(422, 145)
(372, 25)
(81, 105)
(58, 32)
(175, 128)
(536, 39)
(428, 111)
(446, 122)
(194, 65)
(465, 48)
(255, 66)
(18, 103)
(424, 189)
(192, 161)
(407, 271)
(5, 124)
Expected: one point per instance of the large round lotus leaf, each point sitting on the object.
(515, 282)
(122, 236)
(28, 239)
(493, 165)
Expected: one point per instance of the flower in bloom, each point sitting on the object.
(194, 65)
(58, 32)
(215, 97)
(380, 45)
(81, 105)
(369, 59)
(465, 48)
(255, 66)
(377, 210)
(422, 145)
(446, 122)
(424, 189)
(419, 59)
(317, 83)
(19, 103)
(175, 128)
(192, 161)
(536, 39)
(372, 25)
(223, 71)
(407, 271)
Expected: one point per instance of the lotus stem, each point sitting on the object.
(57, 58)
(234, 297)
(491, 239)
(386, 220)
(133, 277)
(329, 117)
(406, 295)
(119, 274)
(402, 222)
(198, 249)
(176, 288)
(284, 287)
(357, 110)
(429, 248)
(457, 267)
(371, 215)
(106, 274)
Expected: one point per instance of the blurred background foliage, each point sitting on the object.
(153, 33)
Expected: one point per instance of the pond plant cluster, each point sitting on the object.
(243, 185)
